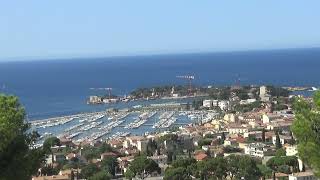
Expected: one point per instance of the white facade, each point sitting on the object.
(283, 139)
(263, 91)
(238, 130)
(142, 145)
(256, 150)
(302, 176)
(291, 151)
(223, 105)
(207, 103)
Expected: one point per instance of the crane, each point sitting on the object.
(107, 89)
(189, 78)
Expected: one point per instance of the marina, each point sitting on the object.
(110, 125)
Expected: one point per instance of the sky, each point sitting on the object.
(75, 28)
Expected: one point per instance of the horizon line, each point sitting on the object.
(145, 54)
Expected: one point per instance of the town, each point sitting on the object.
(235, 133)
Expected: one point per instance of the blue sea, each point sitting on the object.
(60, 87)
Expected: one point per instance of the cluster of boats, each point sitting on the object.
(165, 120)
(52, 122)
(143, 118)
(92, 118)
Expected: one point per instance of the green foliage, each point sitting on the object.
(183, 163)
(278, 163)
(247, 107)
(176, 174)
(109, 165)
(181, 169)
(50, 142)
(279, 107)
(231, 149)
(49, 170)
(265, 171)
(278, 91)
(278, 142)
(281, 152)
(152, 146)
(243, 166)
(204, 142)
(129, 174)
(231, 167)
(306, 129)
(101, 175)
(17, 159)
(142, 167)
(215, 168)
(89, 170)
(91, 152)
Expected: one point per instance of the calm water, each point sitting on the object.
(60, 87)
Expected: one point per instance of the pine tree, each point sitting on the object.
(263, 135)
(278, 142)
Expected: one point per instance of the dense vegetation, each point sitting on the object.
(233, 167)
(306, 128)
(17, 159)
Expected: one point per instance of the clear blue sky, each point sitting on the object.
(66, 28)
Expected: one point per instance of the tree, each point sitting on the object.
(101, 175)
(281, 152)
(142, 167)
(89, 170)
(50, 142)
(179, 173)
(109, 165)
(306, 129)
(18, 158)
(278, 163)
(129, 174)
(242, 167)
(223, 138)
(278, 142)
(204, 142)
(265, 171)
(263, 135)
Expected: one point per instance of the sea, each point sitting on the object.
(58, 87)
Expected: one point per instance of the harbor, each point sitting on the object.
(106, 125)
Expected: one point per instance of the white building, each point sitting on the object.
(302, 176)
(210, 103)
(230, 118)
(257, 150)
(237, 129)
(291, 151)
(263, 91)
(223, 105)
(283, 139)
(264, 96)
(248, 101)
(207, 103)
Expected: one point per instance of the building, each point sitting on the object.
(237, 129)
(291, 151)
(263, 91)
(302, 176)
(283, 139)
(210, 103)
(264, 96)
(207, 103)
(95, 100)
(258, 150)
(223, 105)
(201, 156)
(229, 118)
